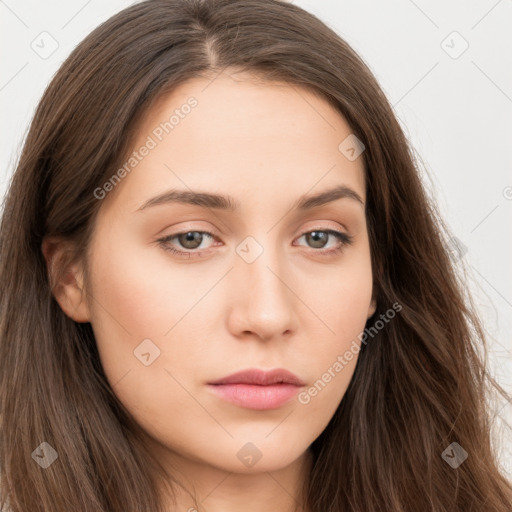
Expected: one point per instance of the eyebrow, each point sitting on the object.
(228, 203)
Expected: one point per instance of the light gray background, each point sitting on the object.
(455, 104)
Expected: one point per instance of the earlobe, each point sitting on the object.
(66, 279)
(372, 308)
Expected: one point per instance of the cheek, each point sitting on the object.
(340, 300)
(318, 402)
(332, 368)
(136, 303)
(138, 291)
(133, 299)
(344, 304)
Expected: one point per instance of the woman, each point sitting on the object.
(224, 287)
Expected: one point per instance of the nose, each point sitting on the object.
(263, 301)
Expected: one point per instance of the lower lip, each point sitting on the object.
(252, 396)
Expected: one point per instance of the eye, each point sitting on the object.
(192, 240)
(319, 238)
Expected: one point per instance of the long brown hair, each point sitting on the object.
(420, 383)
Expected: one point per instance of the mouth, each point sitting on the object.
(258, 389)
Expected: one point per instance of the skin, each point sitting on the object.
(212, 315)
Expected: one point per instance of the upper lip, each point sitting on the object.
(261, 377)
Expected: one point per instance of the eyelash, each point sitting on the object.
(344, 239)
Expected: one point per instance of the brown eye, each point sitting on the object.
(190, 240)
(317, 239)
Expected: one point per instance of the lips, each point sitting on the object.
(261, 378)
(257, 389)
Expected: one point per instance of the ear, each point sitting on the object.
(373, 304)
(66, 279)
(372, 308)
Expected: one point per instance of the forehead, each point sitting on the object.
(239, 134)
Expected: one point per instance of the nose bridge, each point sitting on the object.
(264, 296)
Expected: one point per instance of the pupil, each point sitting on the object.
(191, 236)
(317, 237)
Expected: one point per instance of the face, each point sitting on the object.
(185, 292)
